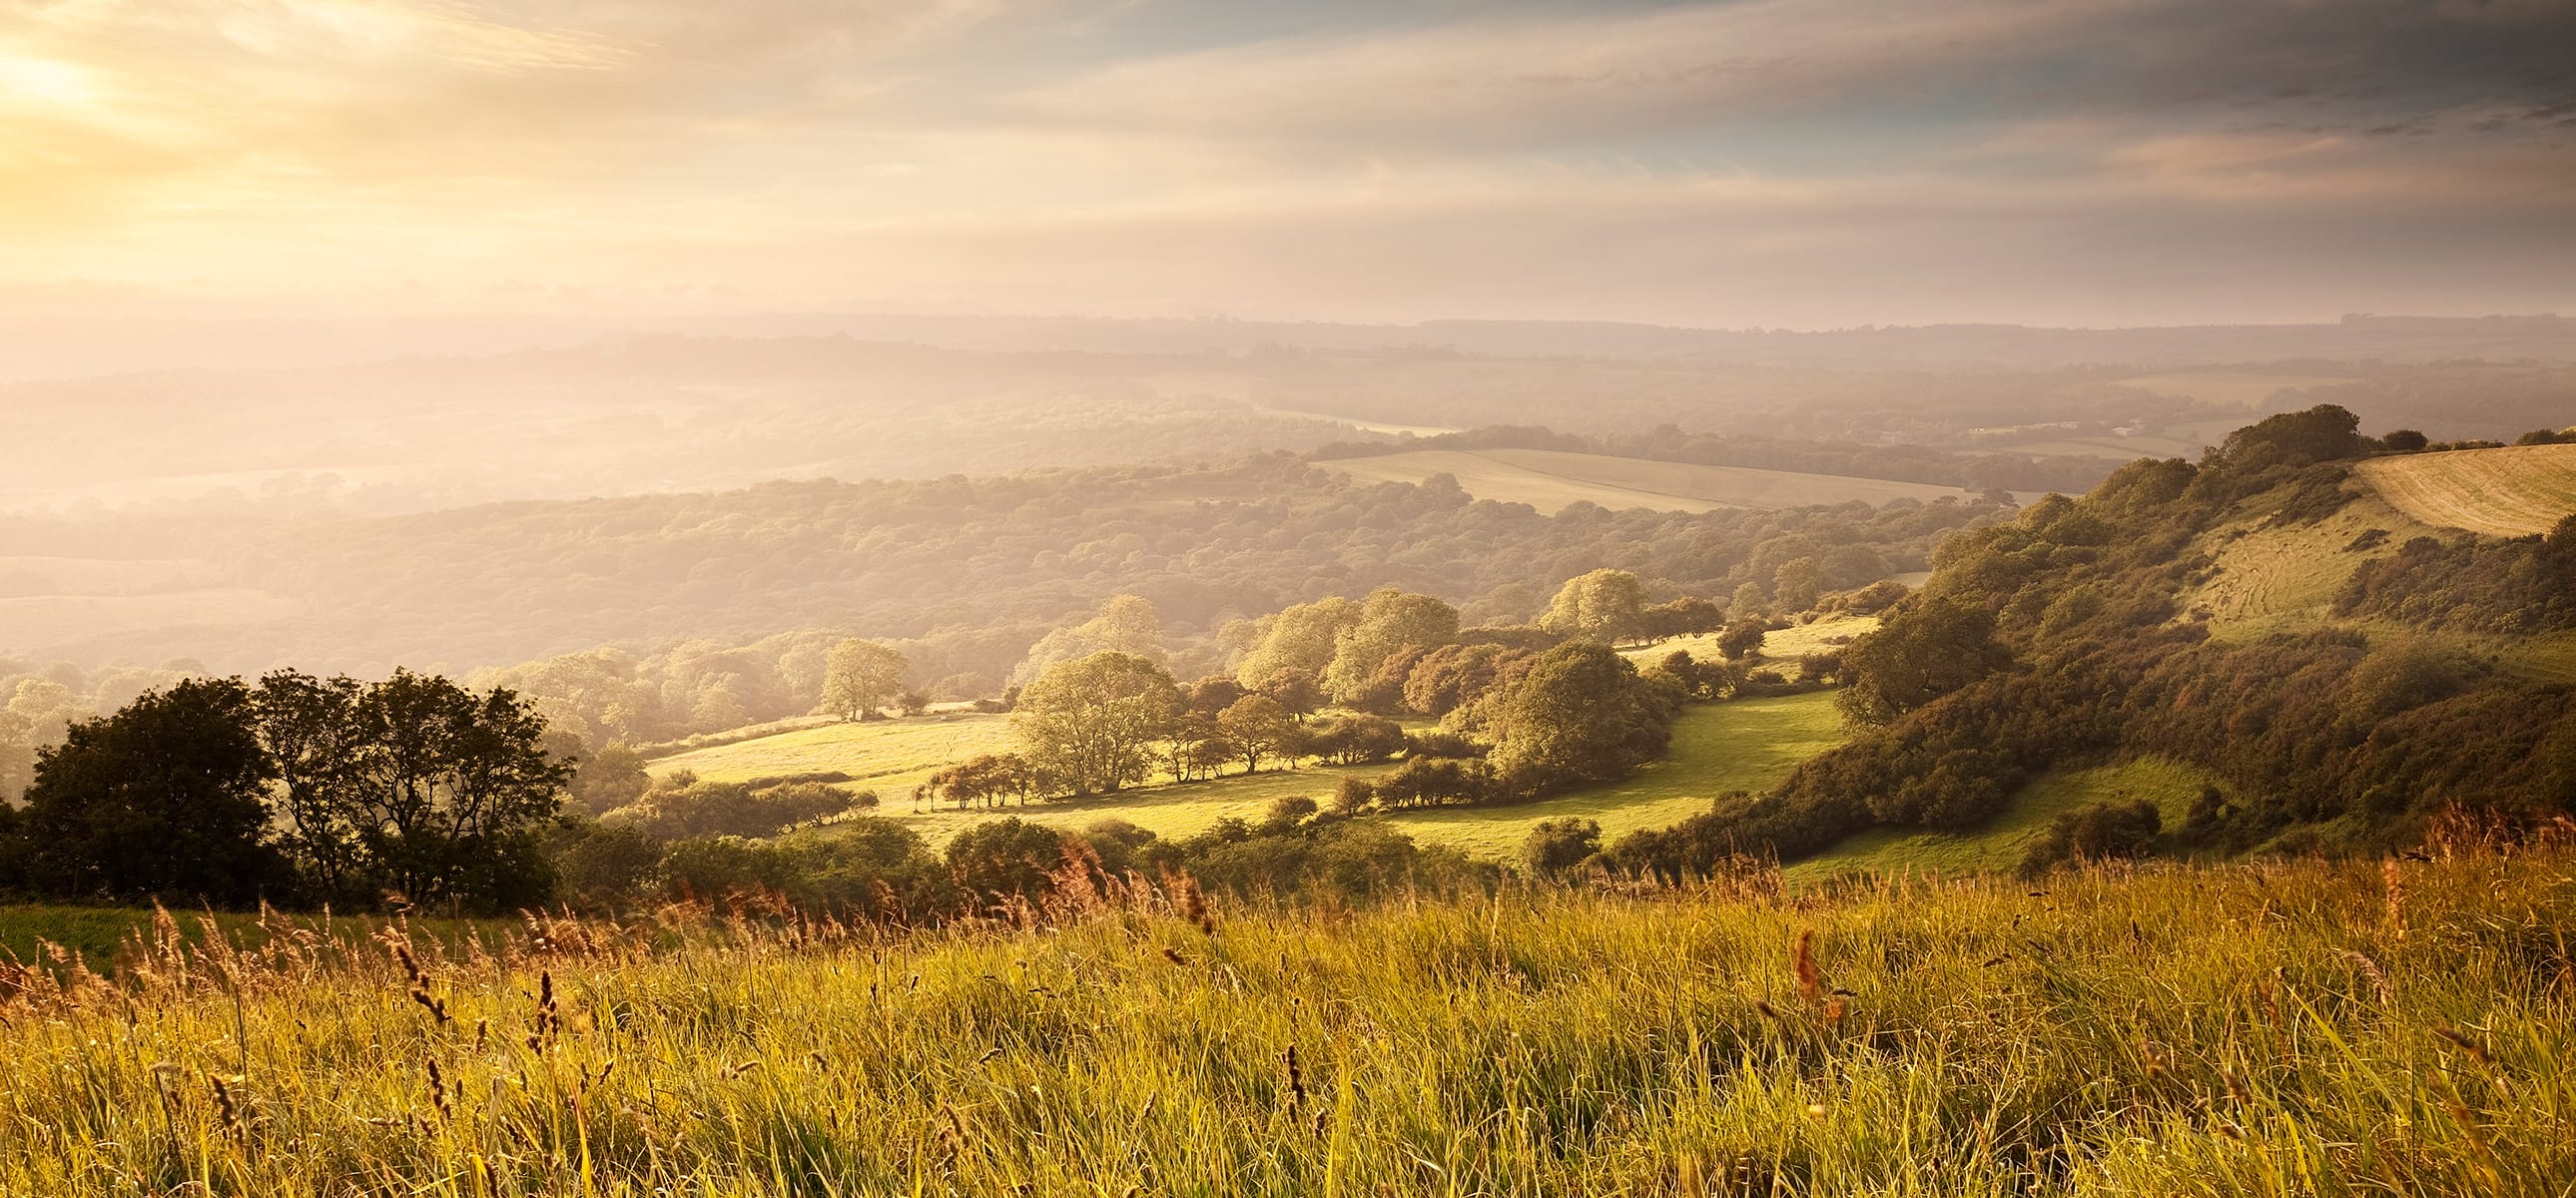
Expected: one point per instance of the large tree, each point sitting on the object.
(1605, 605)
(1301, 639)
(455, 788)
(1093, 722)
(1125, 624)
(1393, 624)
(1925, 650)
(862, 676)
(1258, 727)
(413, 786)
(163, 799)
(1580, 714)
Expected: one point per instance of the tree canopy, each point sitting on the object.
(1093, 722)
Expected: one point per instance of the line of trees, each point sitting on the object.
(297, 791)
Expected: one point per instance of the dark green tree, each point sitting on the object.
(164, 799)
(1922, 653)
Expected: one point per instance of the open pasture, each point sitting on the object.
(1747, 745)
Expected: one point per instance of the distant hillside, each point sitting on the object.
(2517, 491)
(2328, 671)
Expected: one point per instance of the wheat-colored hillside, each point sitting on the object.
(2512, 492)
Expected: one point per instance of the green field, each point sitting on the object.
(1550, 480)
(1780, 645)
(2517, 491)
(2287, 1029)
(888, 756)
(1998, 847)
(99, 934)
(1717, 748)
(1171, 809)
(1748, 745)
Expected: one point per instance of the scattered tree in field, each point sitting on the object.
(982, 779)
(1354, 739)
(1681, 617)
(1257, 727)
(1007, 856)
(17, 755)
(1094, 722)
(1294, 690)
(1353, 795)
(1581, 714)
(1751, 602)
(1605, 605)
(413, 786)
(862, 677)
(164, 799)
(1742, 639)
(609, 779)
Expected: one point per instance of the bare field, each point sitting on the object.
(2518, 491)
(1552, 480)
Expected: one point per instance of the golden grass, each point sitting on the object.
(2518, 491)
(2275, 1030)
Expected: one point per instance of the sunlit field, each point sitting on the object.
(2291, 1028)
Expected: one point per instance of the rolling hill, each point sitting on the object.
(1552, 480)
(2517, 491)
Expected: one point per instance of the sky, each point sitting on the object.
(1747, 163)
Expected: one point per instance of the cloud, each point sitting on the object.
(1108, 155)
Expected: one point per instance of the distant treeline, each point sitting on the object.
(1668, 443)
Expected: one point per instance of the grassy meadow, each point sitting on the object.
(1716, 748)
(1748, 745)
(2290, 1028)
(1997, 847)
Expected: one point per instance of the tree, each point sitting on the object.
(164, 799)
(1301, 639)
(1921, 653)
(1125, 624)
(1605, 605)
(1742, 639)
(1797, 584)
(17, 755)
(1556, 845)
(310, 729)
(1258, 727)
(1392, 624)
(1094, 721)
(451, 791)
(861, 677)
(1750, 603)
(1006, 857)
(1581, 714)
(983, 778)
(611, 778)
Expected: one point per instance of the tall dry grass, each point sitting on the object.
(2290, 1029)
